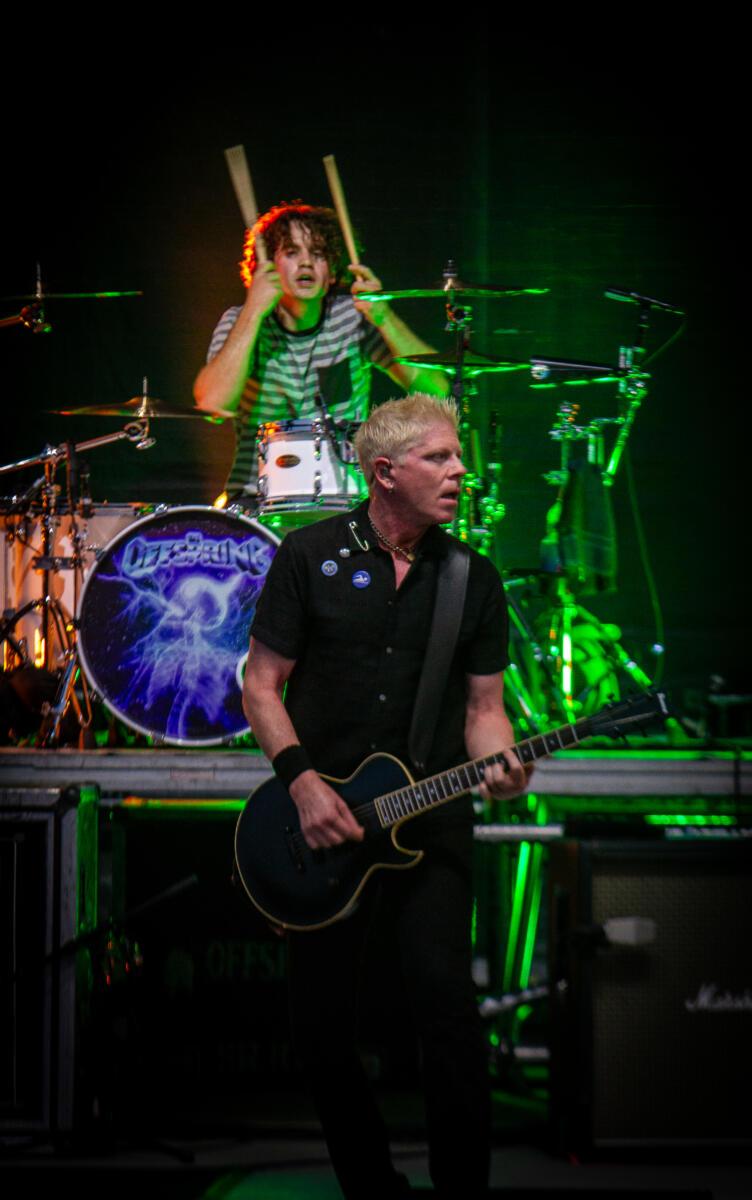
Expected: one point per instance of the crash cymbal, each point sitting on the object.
(70, 296)
(454, 290)
(139, 408)
(472, 364)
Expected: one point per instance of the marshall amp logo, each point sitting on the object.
(711, 999)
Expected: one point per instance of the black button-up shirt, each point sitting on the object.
(330, 602)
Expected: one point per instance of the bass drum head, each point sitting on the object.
(164, 622)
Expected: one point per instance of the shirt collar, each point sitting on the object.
(361, 538)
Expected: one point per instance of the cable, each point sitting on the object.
(646, 566)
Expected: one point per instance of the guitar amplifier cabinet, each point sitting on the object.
(48, 898)
(651, 1042)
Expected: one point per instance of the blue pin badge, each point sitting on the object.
(361, 579)
(329, 567)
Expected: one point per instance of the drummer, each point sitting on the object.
(298, 337)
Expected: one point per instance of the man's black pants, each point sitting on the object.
(429, 909)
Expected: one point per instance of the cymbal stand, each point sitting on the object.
(135, 431)
(479, 509)
(633, 389)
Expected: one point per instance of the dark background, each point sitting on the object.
(554, 165)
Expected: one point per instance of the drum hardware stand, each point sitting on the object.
(31, 316)
(476, 497)
(136, 431)
(48, 564)
(564, 615)
(348, 461)
(330, 428)
(53, 714)
(533, 700)
(492, 509)
(479, 510)
(633, 390)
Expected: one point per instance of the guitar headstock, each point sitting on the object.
(628, 716)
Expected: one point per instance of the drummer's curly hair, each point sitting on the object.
(320, 224)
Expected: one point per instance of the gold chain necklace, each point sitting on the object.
(407, 554)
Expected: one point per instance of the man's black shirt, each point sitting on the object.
(330, 602)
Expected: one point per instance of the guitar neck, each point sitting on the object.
(448, 785)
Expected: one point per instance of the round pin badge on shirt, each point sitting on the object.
(361, 579)
(329, 567)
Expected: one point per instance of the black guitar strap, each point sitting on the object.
(445, 626)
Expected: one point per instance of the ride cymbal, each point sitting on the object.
(453, 291)
(472, 363)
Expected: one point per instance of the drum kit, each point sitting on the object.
(148, 608)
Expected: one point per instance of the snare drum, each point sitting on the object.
(299, 471)
(164, 621)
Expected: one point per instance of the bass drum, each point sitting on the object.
(164, 621)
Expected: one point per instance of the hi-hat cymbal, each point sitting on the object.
(454, 290)
(139, 408)
(472, 363)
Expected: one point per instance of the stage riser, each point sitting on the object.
(235, 773)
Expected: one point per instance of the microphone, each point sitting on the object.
(648, 302)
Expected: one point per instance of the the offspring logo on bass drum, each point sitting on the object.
(165, 617)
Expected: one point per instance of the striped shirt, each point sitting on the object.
(288, 370)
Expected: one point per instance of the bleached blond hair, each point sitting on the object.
(396, 426)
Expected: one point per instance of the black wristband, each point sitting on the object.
(291, 762)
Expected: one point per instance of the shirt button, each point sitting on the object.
(373, 745)
(389, 649)
(382, 697)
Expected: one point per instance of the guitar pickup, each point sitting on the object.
(295, 844)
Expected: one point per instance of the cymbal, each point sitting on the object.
(548, 372)
(70, 296)
(473, 363)
(139, 408)
(453, 290)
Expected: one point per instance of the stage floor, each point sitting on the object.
(260, 1160)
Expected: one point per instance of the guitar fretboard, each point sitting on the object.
(448, 785)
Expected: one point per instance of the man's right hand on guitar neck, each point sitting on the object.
(325, 819)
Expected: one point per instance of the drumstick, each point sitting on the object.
(338, 196)
(237, 164)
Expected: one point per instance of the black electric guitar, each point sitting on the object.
(299, 888)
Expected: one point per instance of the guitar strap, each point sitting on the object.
(445, 627)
